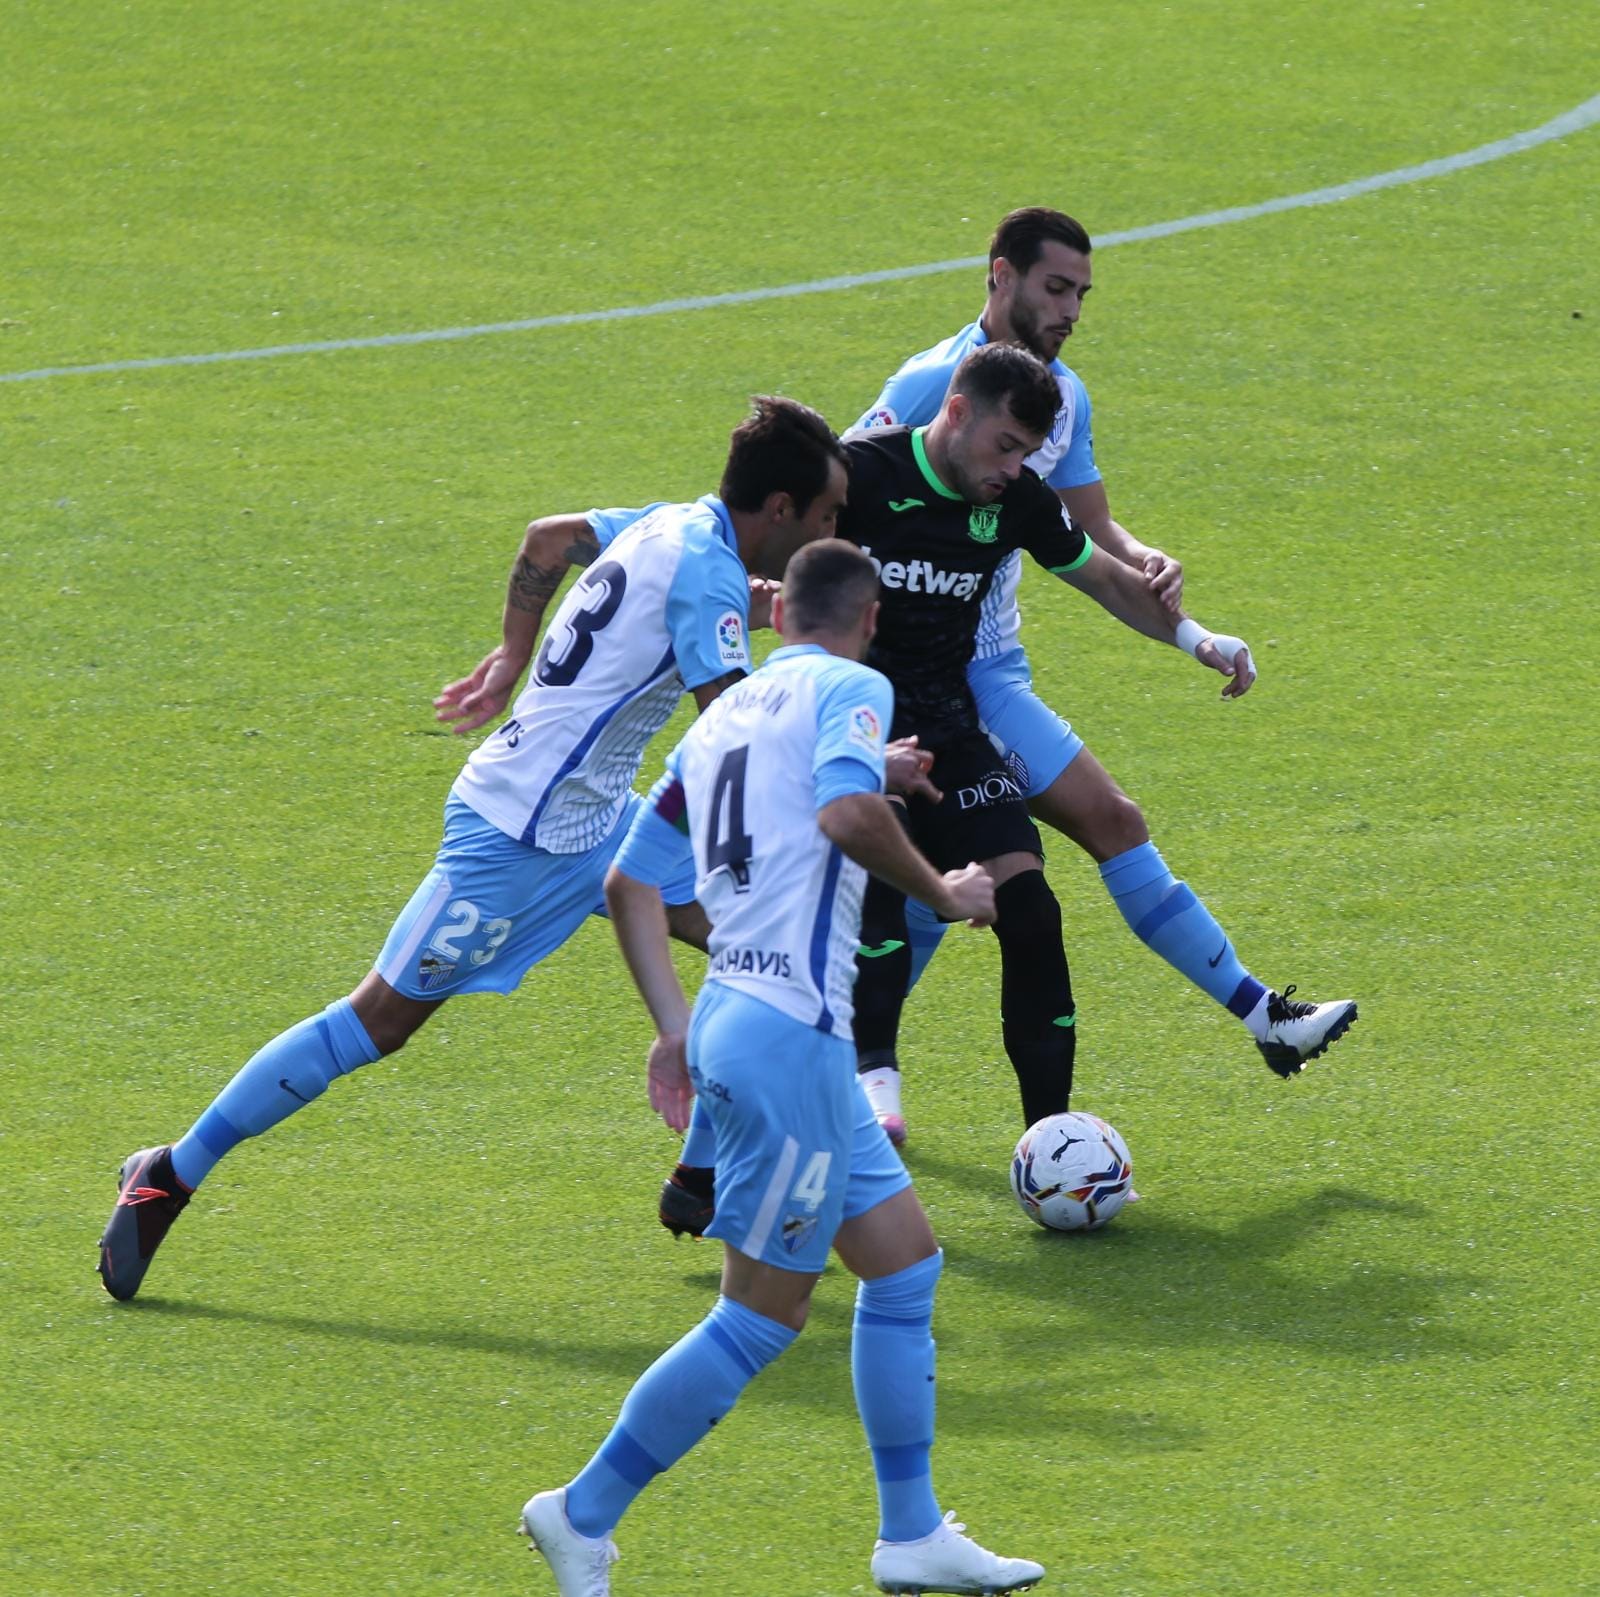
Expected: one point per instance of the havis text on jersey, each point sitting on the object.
(923, 576)
(751, 962)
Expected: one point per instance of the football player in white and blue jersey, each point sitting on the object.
(543, 804)
(779, 790)
(1039, 275)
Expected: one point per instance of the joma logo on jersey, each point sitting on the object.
(922, 576)
(983, 525)
(997, 788)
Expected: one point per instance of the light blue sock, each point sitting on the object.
(892, 1364)
(295, 1067)
(672, 1405)
(700, 1141)
(924, 931)
(1167, 917)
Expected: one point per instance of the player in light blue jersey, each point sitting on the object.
(1039, 275)
(542, 805)
(779, 787)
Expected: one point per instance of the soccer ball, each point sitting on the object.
(1071, 1172)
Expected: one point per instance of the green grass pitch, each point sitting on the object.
(1347, 1344)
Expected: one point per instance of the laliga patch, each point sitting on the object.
(866, 730)
(731, 648)
(881, 417)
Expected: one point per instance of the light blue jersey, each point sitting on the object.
(913, 397)
(798, 1149)
(664, 610)
(746, 784)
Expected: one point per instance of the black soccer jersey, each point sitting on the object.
(936, 555)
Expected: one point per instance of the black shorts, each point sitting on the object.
(983, 812)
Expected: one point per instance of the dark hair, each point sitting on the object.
(826, 586)
(1006, 374)
(782, 447)
(1022, 236)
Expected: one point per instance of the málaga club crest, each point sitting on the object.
(983, 525)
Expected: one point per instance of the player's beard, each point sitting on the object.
(1028, 326)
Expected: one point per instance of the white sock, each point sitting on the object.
(883, 1090)
(1256, 1020)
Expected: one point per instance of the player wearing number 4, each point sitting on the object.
(779, 787)
(543, 804)
(1039, 276)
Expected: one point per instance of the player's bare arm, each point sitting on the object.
(865, 827)
(550, 548)
(707, 691)
(1089, 506)
(1123, 592)
(640, 919)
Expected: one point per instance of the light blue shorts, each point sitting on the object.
(798, 1149)
(492, 907)
(1037, 743)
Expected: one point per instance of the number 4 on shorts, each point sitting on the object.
(812, 1187)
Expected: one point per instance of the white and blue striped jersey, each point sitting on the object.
(913, 397)
(746, 784)
(666, 608)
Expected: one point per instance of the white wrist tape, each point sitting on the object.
(1190, 635)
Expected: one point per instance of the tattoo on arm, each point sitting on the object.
(533, 585)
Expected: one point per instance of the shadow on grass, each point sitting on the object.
(620, 1358)
(1166, 1282)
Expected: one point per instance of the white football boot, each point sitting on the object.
(581, 1564)
(1297, 1032)
(945, 1560)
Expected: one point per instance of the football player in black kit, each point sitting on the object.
(936, 509)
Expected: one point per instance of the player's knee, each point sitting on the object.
(1026, 911)
(1110, 825)
(390, 1018)
(1124, 824)
(1083, 803)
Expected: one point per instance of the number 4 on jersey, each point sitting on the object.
(728, 845)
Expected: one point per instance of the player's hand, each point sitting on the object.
(762, 592)
(1230, 656)
(483, 695)
(1165, 578)
(969, 896)
(667, 1068)
(906, 767)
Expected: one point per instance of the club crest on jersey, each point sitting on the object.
(983, 525)
(433, 972)
(866, 730)
(797, 1231)
(730, 639)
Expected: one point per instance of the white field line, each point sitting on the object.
(1573, 121)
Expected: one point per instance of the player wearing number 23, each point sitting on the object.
(540, 808)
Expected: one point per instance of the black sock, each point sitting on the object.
(1038, 1018)
(883, 974)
